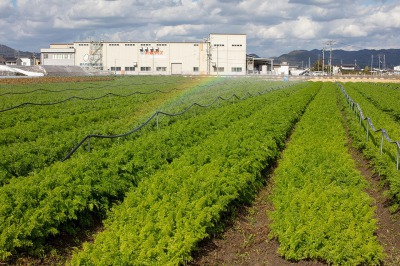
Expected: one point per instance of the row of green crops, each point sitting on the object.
(385, 163)
(85, 88)
(33, 137)
(385, 98)
(47, 201)
(168, 213)
(321, 211)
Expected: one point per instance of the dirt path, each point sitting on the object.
(388, 232)
(246, 241)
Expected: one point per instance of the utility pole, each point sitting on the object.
(323, 61)
(209, 56)
(379, 63)
(330, 43)
(384, 62)
(372, 63)
(217, 61)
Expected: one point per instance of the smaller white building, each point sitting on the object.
(58, 55)
(24, 61)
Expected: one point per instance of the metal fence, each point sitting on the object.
(370, 126)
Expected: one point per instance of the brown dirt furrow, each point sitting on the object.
(246, 241)
(388, 232)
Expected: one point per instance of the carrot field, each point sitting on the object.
(149, 167)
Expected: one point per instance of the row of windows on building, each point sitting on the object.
(149, 44)
(126, 44)
(143, 69)
(91, 64)
(164, 69)
(132, 44)
(233, 45)
(58, 56)
(158, 44)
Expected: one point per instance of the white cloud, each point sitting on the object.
(346, 28)
(6, 9)
(273, 27)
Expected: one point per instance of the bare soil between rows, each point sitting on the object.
(246, 240)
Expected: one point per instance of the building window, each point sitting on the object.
(129, 44)
(113, 44)
(115, 68)
(236, 45)
(219, 44)
(46, 56)
(196, 44)
(129, 68)
(161, 69)
(219, 69)
(145, 68)
(58, 56)
(161, 44)
(236, 69)
(195, 69)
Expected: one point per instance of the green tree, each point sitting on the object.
(366, 70)
(317, 65)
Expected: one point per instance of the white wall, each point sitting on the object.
(57, 56)
(228, 52)
(156, 58)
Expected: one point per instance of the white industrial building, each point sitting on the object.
(219, 54)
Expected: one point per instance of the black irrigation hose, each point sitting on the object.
(87, 137)
(90, 87)
(146, 122)
(385, 135)
(100, 87)
(45, 90)
(87, 99)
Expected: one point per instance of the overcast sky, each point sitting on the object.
(273, 27)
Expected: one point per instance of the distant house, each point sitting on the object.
(11, 61)
(24, 61)
(348, 67)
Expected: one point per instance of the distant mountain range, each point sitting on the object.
(362, 58)
(7, 52)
